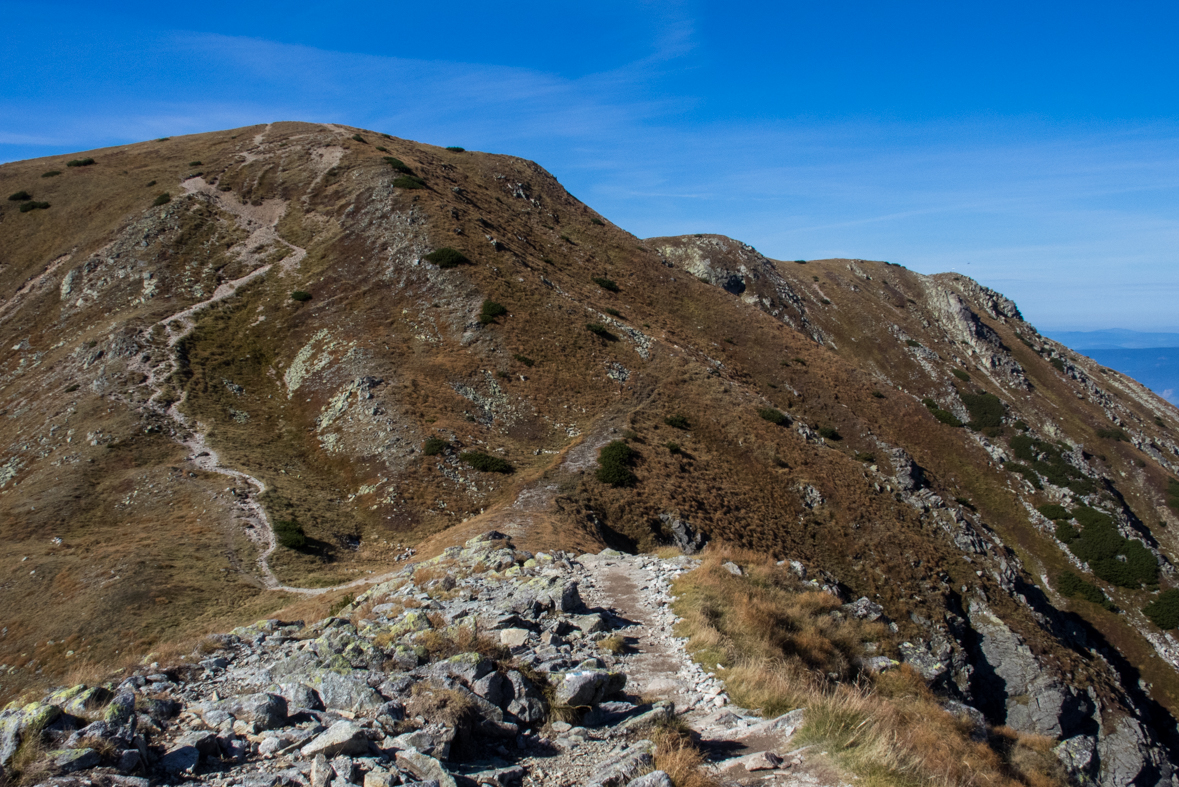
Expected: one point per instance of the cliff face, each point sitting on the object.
(278, 346)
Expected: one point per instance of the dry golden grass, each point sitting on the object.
(615, 644)
(677, 754)
(779, 644)
(439, 643)
(434, 703)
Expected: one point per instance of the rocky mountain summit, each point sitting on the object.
(271, 373)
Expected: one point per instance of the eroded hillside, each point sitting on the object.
(167, 402)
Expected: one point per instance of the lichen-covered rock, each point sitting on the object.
(343, 737)
(71, 760)
(586, 688)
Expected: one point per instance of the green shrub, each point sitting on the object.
(597, 221)
(408, 182)
(433, 446)
(597, 329)
(398, 164)
(162, 199)
(613, 312)
(945, 416)
(1101, 545)
(485, 463)
(490, 311)
(1164, 610)
(53, 173)
(866, 457)
(605, 284)
(20, 196)
(383, 150)
(1049, 461)
(302, 296)
(1055, 511)
(912, 342)
(1025, 471)
(447, 257)
(825, 301)
(289, 533)
(151, 183)
(774, 416)
(456, 149)
(195, 163)
(1072, 586)
(877, 395)
(677, 421)
(1066, 532)
(614, 462)
(359, 138)
(986, 410)
(339, 605)
(830, 433)
(1021, 425)
(524, 359)
(673, 448)
(1113, 434)
(1173, 494)
(961, 375)
(1057, 364)
(80, 162)
(28, 206)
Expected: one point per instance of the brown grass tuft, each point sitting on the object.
(677, 754)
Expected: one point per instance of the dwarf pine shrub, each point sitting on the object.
(1164, 610)
(289, 533)
(80, 162)
(677, 421)
(433, 446)
(485, 463)
(605, 284)
(447, 257)
(774, 416)
(302, 296)
(20, 196)
(490, 311)
(614, 462)
(409, 182)
(28, 206)
(398, 164)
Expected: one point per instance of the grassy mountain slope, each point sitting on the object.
(118, 535)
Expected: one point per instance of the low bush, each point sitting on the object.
(162, 199)
(151, 183)
(1031, 475)
(398, 164)
(302, 296)
(961, 375)
(829, 433)
(1066, 532)
(774, 416)
(195, 163)
(447, 257)
(289, 533)
(524, 359)
(80, 162)
(601, 331)
(28, 206)
(1164, 610)
(1173, 494)
(912, 342)
(1057, 364)
(1113, 434)
(20, 196)
(490, 311)
(383, 150)
(597, 221)
(360, 139)
(433, 446)
(456, 149)
(53, 173)
(606, 284)
(613, 312)
(1072, 586)
(866, 457)
(1118, 560)
(986, 410)
(408, 182)
(614, 461)
(877, 395)
(945, 416)
(1054, 511)
(485, 463)
(673, 448)
(677, 421)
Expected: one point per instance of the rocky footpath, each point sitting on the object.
(483, 666)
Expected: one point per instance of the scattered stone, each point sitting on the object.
(343, 737)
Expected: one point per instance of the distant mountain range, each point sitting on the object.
(1150, 358)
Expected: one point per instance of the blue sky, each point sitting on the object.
(1029, 145)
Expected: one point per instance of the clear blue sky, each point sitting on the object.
(1029, 145)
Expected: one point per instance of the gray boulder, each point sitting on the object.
(586, 688)
(268, 711)
(424, 767)
(343, 737)
(71, 760)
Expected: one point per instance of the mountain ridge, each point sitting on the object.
(683, 342)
